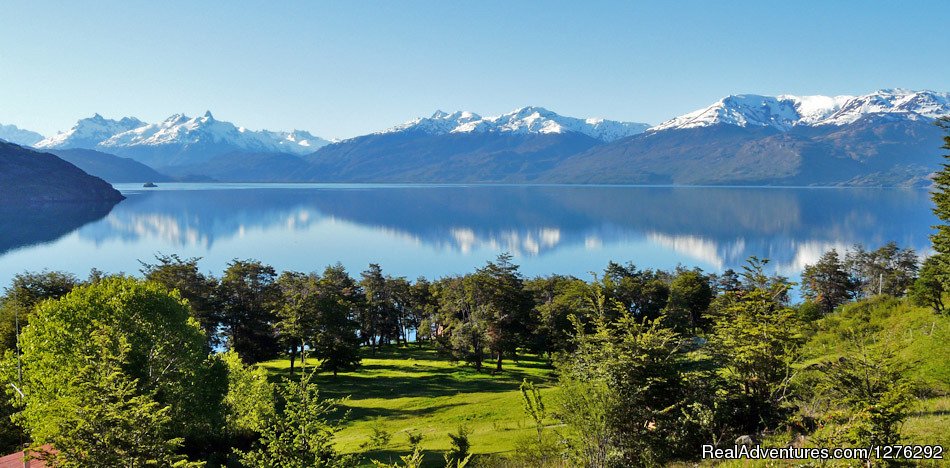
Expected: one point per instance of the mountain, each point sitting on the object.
(787, 111)
(886, 138)
(244, 167)
(178, 140)
(12, 134)
(464, 147)
(523, 121)
(109, 167)
(28, 176)
(89, 132)
(417, 157)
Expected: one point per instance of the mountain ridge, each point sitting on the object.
(28, 176)
(177, 140)
(881, 138)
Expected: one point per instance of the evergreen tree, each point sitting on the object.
(249, 295)
(297, 312)
(622, 392)
(940, 194)
(556, 299)
(757, 341)
(502, 306)
(22, 296)
(335, 341)
(929, 288)
(690, 296)
(377, 306)
(828, 283)
(870, 391)
(424, 308)
(198, 289)
(300, 435)
(887, 270)
(643, 293)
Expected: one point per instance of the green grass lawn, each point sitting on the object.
(399, 390)
(414, 389)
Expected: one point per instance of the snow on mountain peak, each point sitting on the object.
(524, 120)
(178, 129)
(19, 136)
(786, 111)
(181, 129)
(88, 132)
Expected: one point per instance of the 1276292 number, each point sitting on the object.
(909, 452)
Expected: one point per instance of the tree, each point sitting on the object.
(105, 420)
(460, 327)
(198, 289)
(501, 305)
(728, 281)
(250, 399)
(828, 283)
(888, 270)
(622, 392)
(300, 435)
(22, 296)
(757, 341)
(928, 289)
(485, 312)
(871, 391)
(249, 295)
(164, 354)
(459, 453)
(643, 293)
(378, 306)
(690, 296)
(401, 295)
(556, 298)
(755, 278)
(335, 341)
(297, 312)
(940, 195)
(424, 308)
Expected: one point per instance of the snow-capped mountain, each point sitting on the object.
(183, 130)
(178, 139)
(787, 111)
(89, 132)
(526, 120)
(19, 136)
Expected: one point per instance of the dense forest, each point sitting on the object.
(647, 366)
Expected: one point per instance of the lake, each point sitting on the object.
(437, 230)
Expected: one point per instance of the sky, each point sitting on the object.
(345, 68)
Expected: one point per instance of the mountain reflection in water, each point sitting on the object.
(437, 230)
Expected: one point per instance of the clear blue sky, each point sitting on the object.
(344, 68)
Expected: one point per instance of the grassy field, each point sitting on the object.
(403, 390)
(413, 389)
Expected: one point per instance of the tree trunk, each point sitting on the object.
(293, 354)
(498, 366)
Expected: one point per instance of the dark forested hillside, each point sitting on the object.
(421, 157)
(31, 176)
(874, 151)
(244, 167)
(109, 167)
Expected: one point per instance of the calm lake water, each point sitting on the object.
(430, 230)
